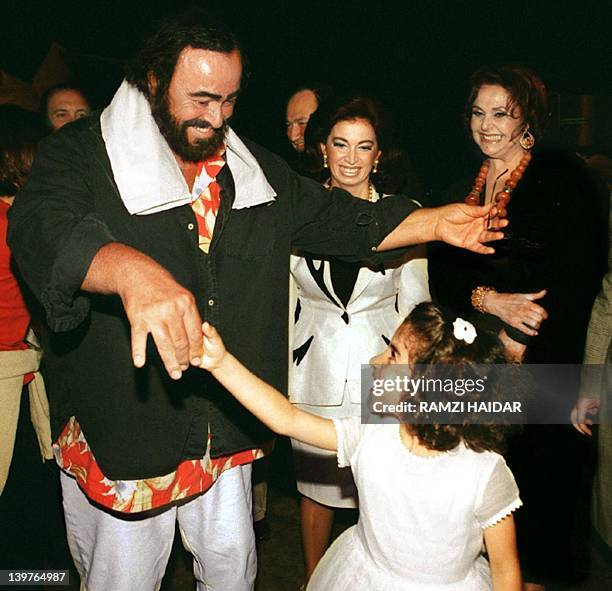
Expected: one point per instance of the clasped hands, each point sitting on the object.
(159, 306)
(169, 313)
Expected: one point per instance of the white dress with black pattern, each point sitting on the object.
(331, 340)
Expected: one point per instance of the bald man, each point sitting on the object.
(300, 107)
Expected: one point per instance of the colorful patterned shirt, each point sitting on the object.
(192, 477)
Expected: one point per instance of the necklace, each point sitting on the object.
(372, 194)
(503, 197)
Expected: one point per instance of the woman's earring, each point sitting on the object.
(325, 165)
(375, 168)
(527, 140)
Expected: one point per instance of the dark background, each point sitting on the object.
(416, 58)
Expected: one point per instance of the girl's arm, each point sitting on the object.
(264, 401)
(500, 540)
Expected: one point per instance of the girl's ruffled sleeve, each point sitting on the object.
(499, 497)
(348, 433)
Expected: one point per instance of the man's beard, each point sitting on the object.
(175, 133)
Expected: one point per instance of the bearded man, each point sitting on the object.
(147, 220)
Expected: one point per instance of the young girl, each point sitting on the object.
(428, 494)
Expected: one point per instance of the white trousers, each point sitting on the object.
(113, 554)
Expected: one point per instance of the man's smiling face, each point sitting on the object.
(200, 99)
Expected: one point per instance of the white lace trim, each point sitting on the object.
(343, 461)
(503, 513)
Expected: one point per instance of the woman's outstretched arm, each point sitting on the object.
(264, 401)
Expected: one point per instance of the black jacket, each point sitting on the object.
(138, 422)
(555, 241)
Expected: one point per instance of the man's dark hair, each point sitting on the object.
(161, 50)
(50, 92)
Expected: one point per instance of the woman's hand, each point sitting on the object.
(214, 349)
(518, 310)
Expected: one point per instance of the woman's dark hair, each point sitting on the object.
(526, 91)
(159, 54)
(20, 132)
(46, 97)
(431, 331)
(335, 109)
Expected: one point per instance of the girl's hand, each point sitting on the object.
(519, 310)
(214, 349)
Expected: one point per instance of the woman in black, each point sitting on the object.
(535, 292)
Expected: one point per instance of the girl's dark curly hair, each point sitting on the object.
(431, 331)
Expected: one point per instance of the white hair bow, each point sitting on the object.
(464, 331)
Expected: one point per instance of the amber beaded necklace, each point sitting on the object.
(502, 198)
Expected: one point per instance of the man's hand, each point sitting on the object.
(585, 406)
(469, 226)
(155, 304)
(214, 349)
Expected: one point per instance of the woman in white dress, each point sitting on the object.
(344, 312)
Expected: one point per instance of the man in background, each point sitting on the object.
(300, 106)
(62, 104)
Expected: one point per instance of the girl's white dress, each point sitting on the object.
(421, 519)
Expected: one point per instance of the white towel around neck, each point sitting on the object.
(145, 170)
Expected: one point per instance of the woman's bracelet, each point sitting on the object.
(478, 296)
